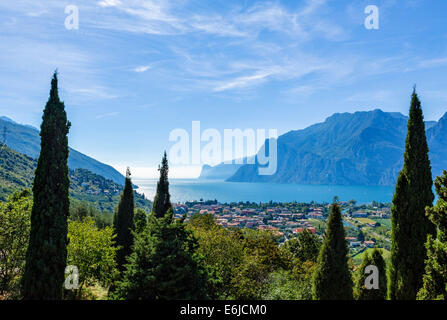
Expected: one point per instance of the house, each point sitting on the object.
(315, 215)
(355, 244)
(360, 214)
(369, 244)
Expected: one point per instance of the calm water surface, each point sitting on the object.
(191, 189)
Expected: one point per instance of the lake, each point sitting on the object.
(183, 190)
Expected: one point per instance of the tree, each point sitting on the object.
(47, 250)
(305, 246)
(410, 226)
(140, 220)
(15, 225)
(222, 252)
(123, 223)
(362, 293)
(261, 257)
(92, 251)
(332, 278)
(164, 264)
(435, 277)
(162, 200)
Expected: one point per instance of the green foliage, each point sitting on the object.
(435, 277)
(164, 264)
(410, 226)
(261, 257)
(291, 284)
(93, 252)
(361, 293)
(162, 200)
(140, 220)
(332, 278)
(123, 223)
(16, 171)
(304, 247)
(47, 250)
(15, 223)
(221, 250)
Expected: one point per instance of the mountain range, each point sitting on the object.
(25, 139)
(361, 148)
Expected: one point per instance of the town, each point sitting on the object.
(366, 225)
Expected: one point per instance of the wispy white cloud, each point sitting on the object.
(242, 81)
(107, 115)
(430, 63)
(97, 92)
(109, 3)
(141, 69)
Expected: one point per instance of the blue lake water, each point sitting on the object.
(183, 190)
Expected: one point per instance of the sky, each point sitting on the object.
(133, 71)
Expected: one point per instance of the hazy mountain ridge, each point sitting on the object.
(361, 148)
(25, 139)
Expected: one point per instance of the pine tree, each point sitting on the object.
(410, 226)
(164, 264)
(162, 200)
(332, 278)
(435, 277)
(47, 251)
(375, 259)
(123, 223)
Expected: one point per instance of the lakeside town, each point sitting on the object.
(366, 225)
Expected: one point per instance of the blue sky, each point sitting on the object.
(136, 70)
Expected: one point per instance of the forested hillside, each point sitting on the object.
(17, 172)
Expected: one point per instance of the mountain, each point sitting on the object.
(361, 148)
(25, 139)
(17, 172)
(219, 172)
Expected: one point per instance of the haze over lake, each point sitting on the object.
(183, 190)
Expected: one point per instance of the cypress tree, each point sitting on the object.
(162, 200)
(123, 223)
(332, 278)
(47, 250)
(435, 277)
(410, 226)
(164, 264)
(362, 293)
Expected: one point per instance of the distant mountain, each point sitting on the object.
(362, 148)
(17, 173)
(219, 172)
(26, 139)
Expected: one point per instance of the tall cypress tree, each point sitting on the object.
(435, 277)
(47, 250)
(162, 200)
(332, 278)
(362, 293)
(410, 226)
(123, 223)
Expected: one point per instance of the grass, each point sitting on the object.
(365, 220)
(385, 222)
(359, 257)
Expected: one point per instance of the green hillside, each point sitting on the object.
(17, 172)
